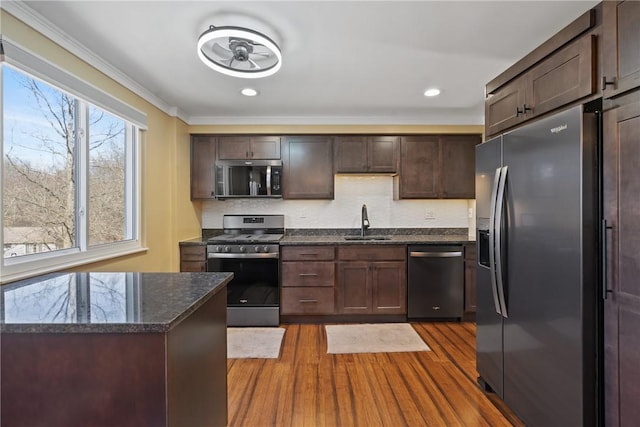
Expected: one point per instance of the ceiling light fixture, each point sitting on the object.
(432, 92)
(239, 52)
(247, 91)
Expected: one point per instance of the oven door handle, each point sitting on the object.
(212, 255)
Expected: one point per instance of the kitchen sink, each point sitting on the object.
(367, 238)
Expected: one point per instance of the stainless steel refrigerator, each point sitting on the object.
(538, 210)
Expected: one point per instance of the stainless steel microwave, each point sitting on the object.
(248, 178)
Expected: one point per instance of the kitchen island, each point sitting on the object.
(114, 349)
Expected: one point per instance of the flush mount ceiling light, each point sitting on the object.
(432, 92)
(239, 52)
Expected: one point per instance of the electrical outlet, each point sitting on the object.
(430, 215)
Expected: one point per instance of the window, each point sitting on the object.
(69, 171)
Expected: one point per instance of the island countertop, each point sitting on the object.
(120, 302)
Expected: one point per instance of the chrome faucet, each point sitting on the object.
(365, 221)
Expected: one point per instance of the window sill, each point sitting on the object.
(24, 270)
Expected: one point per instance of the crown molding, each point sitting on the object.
(42, 25)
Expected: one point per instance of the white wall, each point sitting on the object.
(351, 192)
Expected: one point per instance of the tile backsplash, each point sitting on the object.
(351, 192)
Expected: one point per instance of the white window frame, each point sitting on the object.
(30, 265)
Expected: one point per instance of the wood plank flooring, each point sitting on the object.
(308, 387)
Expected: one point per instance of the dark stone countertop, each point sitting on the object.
(398, 239)
(105, 302)
(397, 236)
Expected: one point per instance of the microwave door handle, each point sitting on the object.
(268, 180)
(499, 211)
(492, 234)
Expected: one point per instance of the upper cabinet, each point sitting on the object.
(307, 167)
(438, 166)
(248, 147)
(566, 76)
(366, 154)
(620, 47)
(203, 158)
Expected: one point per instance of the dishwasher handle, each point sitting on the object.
(435, 254)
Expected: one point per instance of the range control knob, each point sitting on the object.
(256, 249)
(227, 248)
(242, 249)
(265, 249)
(218, 248)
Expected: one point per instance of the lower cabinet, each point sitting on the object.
(371, 280)
(307, 280)
(193, 258)
(470, 278)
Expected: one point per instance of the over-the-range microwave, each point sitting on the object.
(248, 178)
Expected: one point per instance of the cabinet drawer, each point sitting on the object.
(307, 301)
(193, 266)
(372, 253)
(193, 253)
(307, 253)
(308, 274)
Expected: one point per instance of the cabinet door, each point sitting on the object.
(566, 76)
(458, 166)
(620, 41)
(354, 288)
(382, 154)
(419, 167)
(234, 147)
(307, 167)
(203, 158)
(389, 287)
(265, 147)
(350, 154)
(504, 108)
(622, 306)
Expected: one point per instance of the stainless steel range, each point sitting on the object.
(249, 249)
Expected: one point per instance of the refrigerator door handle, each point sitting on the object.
(498, 242)
(492, 247)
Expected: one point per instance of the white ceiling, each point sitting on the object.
(344, 62)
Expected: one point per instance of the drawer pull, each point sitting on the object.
(308, 301)
(307, 274)
(310, 254)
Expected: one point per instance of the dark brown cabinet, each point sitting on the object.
(193, 258)
(248, 147)
(470, 278)
(203, 159)
(438, 166)
(371, 280)
(307, 167)
(366, 154)
(308, 280)
(622, 306)
(565, 76)
(620, 41)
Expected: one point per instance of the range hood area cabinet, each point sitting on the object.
(248, 147)
(438, 166)
(366, 154)
(203, 160)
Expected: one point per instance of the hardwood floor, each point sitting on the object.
(308, 387)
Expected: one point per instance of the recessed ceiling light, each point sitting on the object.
(247, 91)
(432, 92)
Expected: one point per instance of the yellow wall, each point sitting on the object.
(167, 215)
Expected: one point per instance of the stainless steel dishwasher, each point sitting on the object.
(435, 282)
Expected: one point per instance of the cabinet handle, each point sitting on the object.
(309, 254)
(252, 154)
(518, 112)
(307, 274)
(606, 82)
(246, 154)
(307, 301)
(523, 111)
